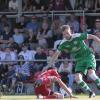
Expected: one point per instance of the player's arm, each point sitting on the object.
(95, 38)
(62, 85)
(53, 59)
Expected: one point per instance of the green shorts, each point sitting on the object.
(85, 63)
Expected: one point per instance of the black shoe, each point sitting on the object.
(91, 94)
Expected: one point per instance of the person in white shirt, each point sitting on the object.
(10, 56)
(27, 54)
(13, 5)
(66, 67)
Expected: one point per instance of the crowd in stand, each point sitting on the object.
(28, 39)
(48, 5)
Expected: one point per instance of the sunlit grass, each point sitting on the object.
(80, 97)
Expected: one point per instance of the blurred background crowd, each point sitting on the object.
(28, 43)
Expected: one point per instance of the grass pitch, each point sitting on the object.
(80, 97)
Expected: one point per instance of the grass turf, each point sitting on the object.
(80, 97)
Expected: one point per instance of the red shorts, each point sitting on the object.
(43, 90)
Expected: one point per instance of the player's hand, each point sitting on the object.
(72, 96)
(38, 83)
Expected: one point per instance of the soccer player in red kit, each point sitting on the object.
(43, 84)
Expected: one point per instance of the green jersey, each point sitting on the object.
(76, 45)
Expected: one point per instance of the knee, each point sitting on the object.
(90, 71)
(78, 77)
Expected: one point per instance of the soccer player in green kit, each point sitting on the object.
(85, 59)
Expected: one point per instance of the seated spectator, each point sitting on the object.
(9, 56)
(5, 22)
(58, 5)
(22, 71)
(27, 5)
(40, 5)
(33, 25)
(51, 53)
(96, 48)
(6, 36)
(89, 5)
(22, 22)
(18, 37)
(44, 36)
(97, 5)
(2, 56)
(65, 70)
(40, 55)
(73, 22)
(13, 5)
(55, 27)
(27, 54)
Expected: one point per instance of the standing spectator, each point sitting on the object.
(13, 5)
(33, 25)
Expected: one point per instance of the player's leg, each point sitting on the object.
(55, 95)
(94, 77)
(83, 85)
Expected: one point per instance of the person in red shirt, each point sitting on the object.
(44, 82)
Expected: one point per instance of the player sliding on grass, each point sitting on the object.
(86, 63)
(43, 84)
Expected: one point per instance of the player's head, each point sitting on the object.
(66, 31)
(49, 68)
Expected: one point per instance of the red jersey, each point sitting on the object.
(46, 77)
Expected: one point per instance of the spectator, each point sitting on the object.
(97, 5)
(55, 27)
(6, 36)
(89, 5)
(18, 37)
(33, 25)
(40, 5)
(38, 66)
(96, 48)
(27, 5)
(31, 39)
(22, 71)
(51, 53)
(44, 36)
(2, 56)
(4, 22)
(58, 5)
(73, 22)
(65, 70)
(22, 22)
(9, 55)
(13, 5)
(27, 54)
